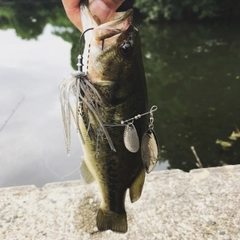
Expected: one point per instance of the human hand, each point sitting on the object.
(103, 9)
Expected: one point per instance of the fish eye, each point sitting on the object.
(126, 49)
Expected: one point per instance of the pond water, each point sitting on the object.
(193, 76)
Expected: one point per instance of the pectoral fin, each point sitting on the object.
(136, 188)
(86, 174)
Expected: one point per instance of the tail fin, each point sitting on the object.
(116, 222)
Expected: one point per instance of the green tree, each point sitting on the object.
(193, 77)
(188, 9)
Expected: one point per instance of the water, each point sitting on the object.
(193, 76)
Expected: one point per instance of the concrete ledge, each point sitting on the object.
(202, 204)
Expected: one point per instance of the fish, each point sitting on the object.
(110, 113)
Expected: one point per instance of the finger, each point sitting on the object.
(104, 9)
(73, 12)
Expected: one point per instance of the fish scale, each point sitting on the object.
(113, 90)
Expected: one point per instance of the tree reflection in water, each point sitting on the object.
(192, 72)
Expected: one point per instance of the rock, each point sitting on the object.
(201, 204)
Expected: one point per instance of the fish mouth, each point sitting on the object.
(119, 17)
(117, 24)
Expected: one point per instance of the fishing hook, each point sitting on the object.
(80, 56)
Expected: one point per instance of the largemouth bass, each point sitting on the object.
(111, 114)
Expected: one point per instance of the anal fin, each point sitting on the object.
(116, 222)
(86, 174)
(136, 188)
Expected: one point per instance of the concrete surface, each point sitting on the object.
(202, 204)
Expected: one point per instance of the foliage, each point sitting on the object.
(188, 9)
(29, 18)
(192, 74)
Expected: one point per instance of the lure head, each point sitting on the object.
(112, 55)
